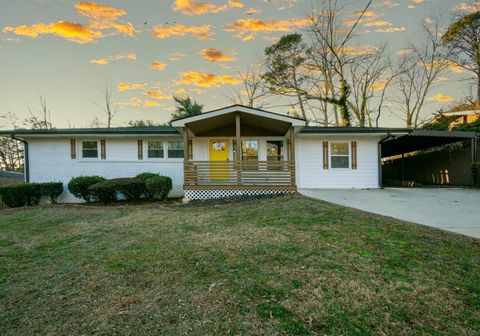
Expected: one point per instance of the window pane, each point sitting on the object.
(155, 149)
(250, 150)
(175, 149)
(339, 148)
(274, 150)
(89, 149)
(340, 161)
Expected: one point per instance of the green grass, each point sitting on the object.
(288, 266)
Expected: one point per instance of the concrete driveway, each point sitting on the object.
(456, 210)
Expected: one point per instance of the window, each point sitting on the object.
(155, 149)
(250, 150)
(175, 149)
(339, 155)
(274, 150)
(90, 149)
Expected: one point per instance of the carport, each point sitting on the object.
(421, 158)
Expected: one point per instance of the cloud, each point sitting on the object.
(360, 50)
(387, 4)
(253, 10)
(246, 29)
(466, 7)
(157, 94)
(192, 7)
(150, 103)
(390, 30)
(200, 32)
(108, 59)
(176, 56)
(157, 65)
(205, 80)
(123, 86)
(70, 31)
(135, 101)
(441, 98)
(105, 17)
(214, 55)
(378, 23)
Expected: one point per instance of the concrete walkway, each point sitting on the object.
(456, 210)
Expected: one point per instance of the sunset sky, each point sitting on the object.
(149, 50)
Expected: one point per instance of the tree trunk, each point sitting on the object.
(478, 87)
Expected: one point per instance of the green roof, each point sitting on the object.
(342, 130)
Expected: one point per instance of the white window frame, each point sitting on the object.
(166, 146)
(330, 154)
(146, 156)
(80, 149)
(250, 139)
(165, 143)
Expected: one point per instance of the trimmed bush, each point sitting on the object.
(79, 186)
(132, 188)
(145, 176)
(476, 173)
(104, 191)
(159, 185)
(52, 190)
(21, 194)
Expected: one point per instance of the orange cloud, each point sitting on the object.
(150, 103)
(441, 98)
(205, 80)
(176, 56)
(157, 94)
(73, 32)
(104, 17)
(378, 23)
(192, 7)
(108, 59)
(200, 32)
(390, 30)
(131, 86)
(246, 29)
(157, 65)
(214, 55)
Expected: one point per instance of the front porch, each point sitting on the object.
(238, 151)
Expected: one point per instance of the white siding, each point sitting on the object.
(50, 160)
(309, 164)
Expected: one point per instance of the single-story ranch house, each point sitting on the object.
(234, 150)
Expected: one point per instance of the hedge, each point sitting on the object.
(104, 191)
(145, 176)
(23, 194)
(159, 185)
(132, 188)
(79, 186)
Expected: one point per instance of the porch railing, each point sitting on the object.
(240, 174)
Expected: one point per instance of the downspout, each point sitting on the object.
(26, 165)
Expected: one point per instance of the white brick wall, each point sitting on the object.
(50, 161)
(309, 164)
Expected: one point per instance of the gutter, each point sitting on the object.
(26, 165)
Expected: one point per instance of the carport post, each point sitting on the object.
(473, 145)
(380, 176)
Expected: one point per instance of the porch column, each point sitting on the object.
(185, 144)
(238, 148)
(292, 156)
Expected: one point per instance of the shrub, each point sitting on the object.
(476, 173)
(79, 186)
(21, 194)
(145, 176)
(104, 191)
(159, 185)
(52, 190)
(132, 188)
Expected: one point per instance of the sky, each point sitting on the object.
(148, 50)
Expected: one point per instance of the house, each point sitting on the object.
(234, 150)
(463, 117)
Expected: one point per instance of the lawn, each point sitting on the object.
(270, 266)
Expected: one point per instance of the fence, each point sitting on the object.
(5, 181)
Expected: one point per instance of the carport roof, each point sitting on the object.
(417, 140)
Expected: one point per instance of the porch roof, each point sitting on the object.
(254, 121)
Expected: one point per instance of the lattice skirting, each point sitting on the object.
(212, 194)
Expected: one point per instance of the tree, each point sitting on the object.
(463, 39)
(109, 108)
(285, 62)
(185, 107)
(253, 91)
(41, 118)
(11, 150)
(142, 123)
(421, 67)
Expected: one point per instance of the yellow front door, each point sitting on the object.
(218, 153)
